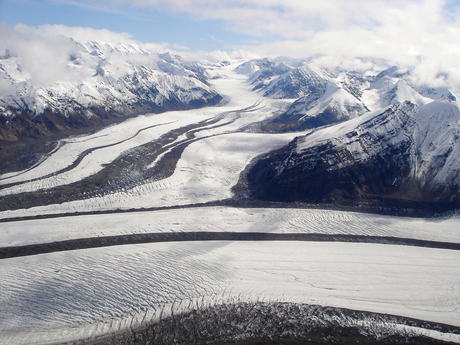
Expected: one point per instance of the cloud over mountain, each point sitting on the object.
(415, 34)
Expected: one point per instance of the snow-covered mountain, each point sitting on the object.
(101, 82)
(283, 79)
(376, 137)
(329, 95)
(407, 153)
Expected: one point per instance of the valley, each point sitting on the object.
(172, 200)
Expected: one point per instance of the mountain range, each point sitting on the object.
(106, 83)
(367, 135)
(371, 137)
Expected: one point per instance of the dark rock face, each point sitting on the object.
(312, 176)
(372, 164)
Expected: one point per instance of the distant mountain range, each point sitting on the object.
(325, 96)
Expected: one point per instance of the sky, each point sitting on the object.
(143, 21)
(421, 34)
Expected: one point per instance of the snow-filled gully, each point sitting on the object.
(66, 277)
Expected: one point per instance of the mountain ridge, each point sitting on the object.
(106, 83)
(390, 156)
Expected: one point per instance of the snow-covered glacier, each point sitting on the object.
(191, 172)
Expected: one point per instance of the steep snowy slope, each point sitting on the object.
(406, 153)
(331, 105)
(102, 82)
(323, 97)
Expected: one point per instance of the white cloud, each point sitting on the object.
(421, 34)
(42, 59)
(77, 33)
(413, 34)
(290, 18)
(45, 52)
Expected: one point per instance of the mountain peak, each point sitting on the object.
(171, 58)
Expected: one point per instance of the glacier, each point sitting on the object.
(77, 294)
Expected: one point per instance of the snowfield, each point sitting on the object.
(75, 294)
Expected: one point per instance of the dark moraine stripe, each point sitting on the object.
(106, 241)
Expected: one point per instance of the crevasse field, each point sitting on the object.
(69, 295)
